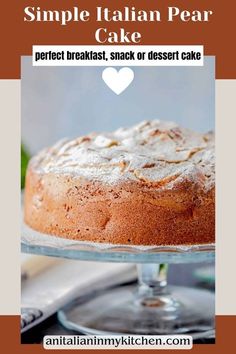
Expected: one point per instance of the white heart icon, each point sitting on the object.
(118, 81)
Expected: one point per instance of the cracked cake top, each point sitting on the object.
(157, 153)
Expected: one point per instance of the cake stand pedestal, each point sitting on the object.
(151, 307)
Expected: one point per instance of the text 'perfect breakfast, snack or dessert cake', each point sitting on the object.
(151, 184)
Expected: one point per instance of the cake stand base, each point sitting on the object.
(124, 310)
(152, 307)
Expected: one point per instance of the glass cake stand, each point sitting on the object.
(151, 307)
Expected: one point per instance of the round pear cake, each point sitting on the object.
(150, 184)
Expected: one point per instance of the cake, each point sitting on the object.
(150, 184)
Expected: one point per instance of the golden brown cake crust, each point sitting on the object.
(141, 193)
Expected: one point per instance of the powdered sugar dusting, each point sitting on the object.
(154, 152)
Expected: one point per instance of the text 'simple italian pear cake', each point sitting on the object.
(151, 184)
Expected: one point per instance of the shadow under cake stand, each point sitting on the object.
(150, 308)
